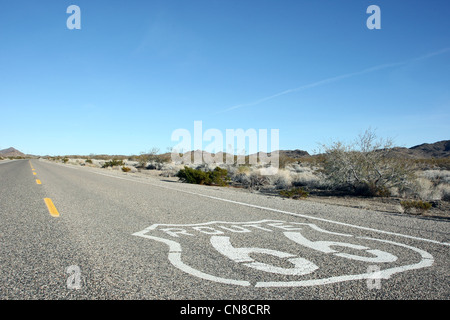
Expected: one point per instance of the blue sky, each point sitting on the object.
(138, 70)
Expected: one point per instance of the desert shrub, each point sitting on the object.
(241, 178)
(65, 160)
(191, 175)
(239, 173)
(125, 169)
(437, 176)
(153, 157)
(441, 163)
(284, 161)
(444, 190)
(243, 169)
(88, 161)
(432, 185)
(366, 166)
(281, 180)
(170, 172)
(425, 189)
(294, 193)
(113, 163)
(307, 177)
(416, 204)
(255, 181)
(218, 176)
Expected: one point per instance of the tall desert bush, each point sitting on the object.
(366, 166)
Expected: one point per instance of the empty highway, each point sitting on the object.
(70, 232)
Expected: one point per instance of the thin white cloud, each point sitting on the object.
(338, 78)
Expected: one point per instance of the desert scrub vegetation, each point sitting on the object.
(366, 166)
(430, 164)
(217, 177)
(126, 169)
(153, 159)
(294, 193)
(113, 163)
(415, 204)
(433, 185)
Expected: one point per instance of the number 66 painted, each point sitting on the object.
(301, 266)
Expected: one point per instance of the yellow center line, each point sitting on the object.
(34, 173)
(38, 181)
(51, 207)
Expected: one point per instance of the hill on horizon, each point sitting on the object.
(11, 152)
(440, 149)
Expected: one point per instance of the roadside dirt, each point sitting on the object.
(439, 209)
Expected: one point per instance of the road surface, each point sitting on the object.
(72, 232)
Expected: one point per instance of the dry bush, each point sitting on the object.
(294, 193)
(437, 176)
(306, 176)
(444, 190)
(152, 159)
(433, 185)
(366, 166)
(281, 180)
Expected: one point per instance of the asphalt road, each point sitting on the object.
(115, 235)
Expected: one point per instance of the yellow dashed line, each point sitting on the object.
(51, 207)
(34, 173)
(38, 181)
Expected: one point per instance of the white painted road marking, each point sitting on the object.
(220, 235)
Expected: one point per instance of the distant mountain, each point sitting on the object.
(294, 153)
(11, 152)
(437, 150)
(440, 149)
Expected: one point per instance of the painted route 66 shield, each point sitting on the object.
(275, 253)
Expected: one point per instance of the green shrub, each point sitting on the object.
(421, 205)
(113, 163)
(218, 176)
(294, 193)
(65, 160)
(88, 161)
